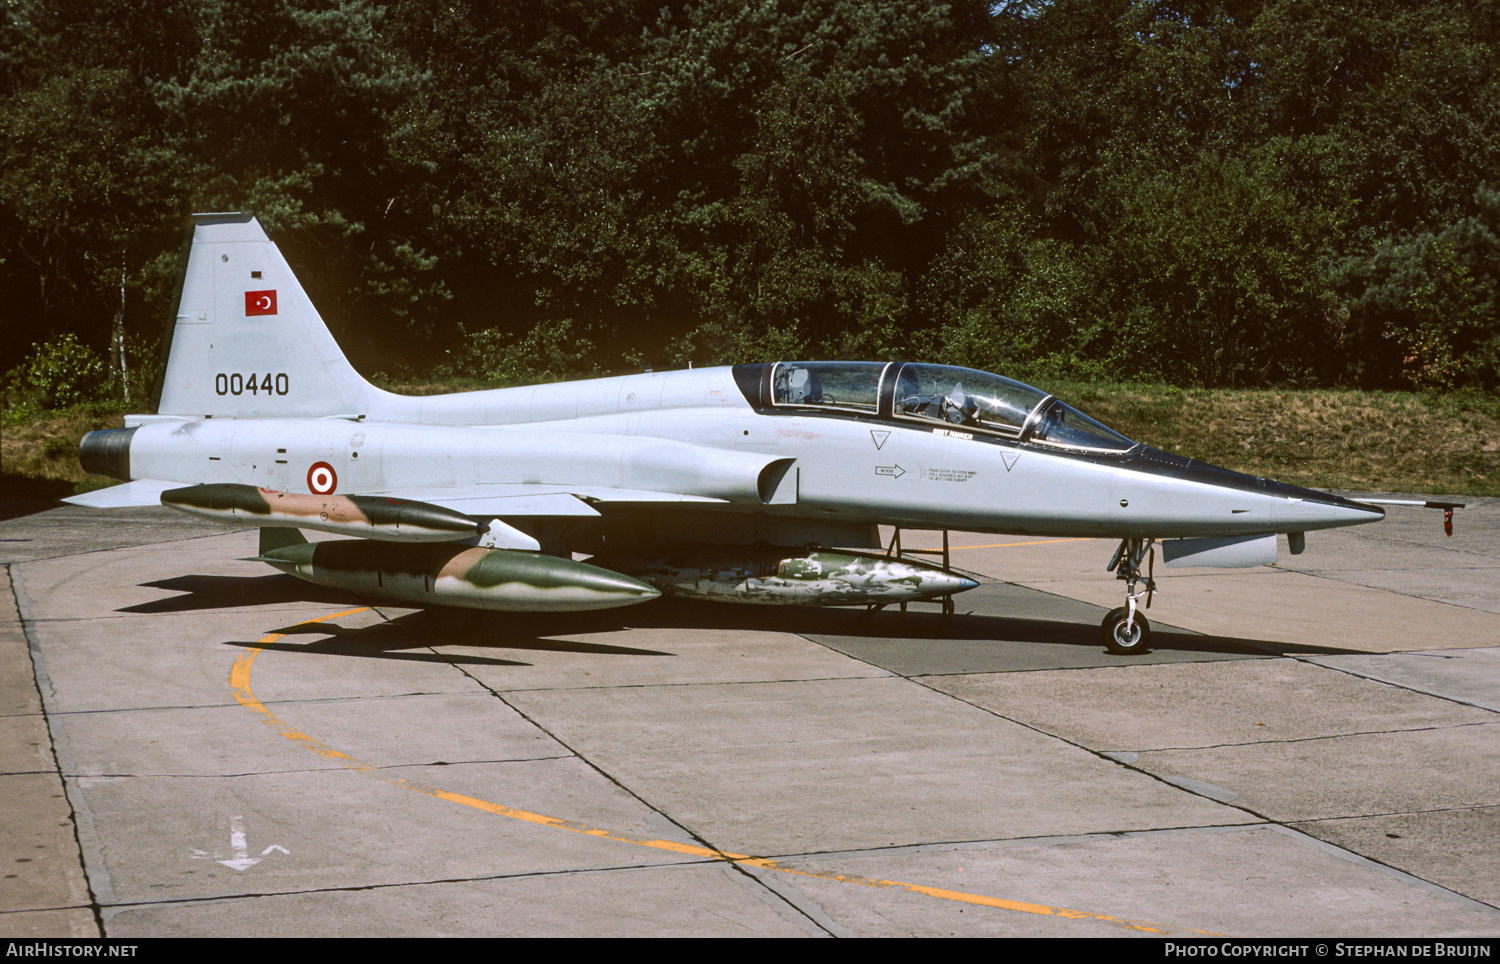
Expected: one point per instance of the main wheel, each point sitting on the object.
(1122, 636)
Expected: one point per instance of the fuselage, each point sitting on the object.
(870, 453)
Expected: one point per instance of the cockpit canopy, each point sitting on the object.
(964, 399)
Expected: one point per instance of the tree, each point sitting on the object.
(1424, 309)
(89, 188)
(286, 112)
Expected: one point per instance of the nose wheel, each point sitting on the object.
(1126, 631)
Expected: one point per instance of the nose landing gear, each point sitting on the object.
(1126, 630)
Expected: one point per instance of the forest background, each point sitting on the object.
(1253, 194)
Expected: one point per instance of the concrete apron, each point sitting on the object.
(244, 754)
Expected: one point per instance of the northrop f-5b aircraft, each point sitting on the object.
(761, 483)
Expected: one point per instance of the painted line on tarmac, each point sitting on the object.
(239, 681)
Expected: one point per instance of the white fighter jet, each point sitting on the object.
(761, 483)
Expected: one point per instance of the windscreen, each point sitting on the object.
(1062, 424)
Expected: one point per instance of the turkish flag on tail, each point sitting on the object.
(260, 303)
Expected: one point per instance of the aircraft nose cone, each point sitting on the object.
(1324, 510)
(1291, 508)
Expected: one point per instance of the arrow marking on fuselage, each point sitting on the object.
(894, 471)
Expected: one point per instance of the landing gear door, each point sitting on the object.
(1232, 552)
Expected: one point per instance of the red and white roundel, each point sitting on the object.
(321, 479)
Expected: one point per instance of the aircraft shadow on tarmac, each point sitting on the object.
(233, 592)
(419, 630)
(23, 496)
(366, 648)
(920, 625)
(853, 631)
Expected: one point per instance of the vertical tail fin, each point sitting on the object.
(248, 343)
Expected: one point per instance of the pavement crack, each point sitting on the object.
(1401, 686)
(429, 882)
(1393, 813)
(885, 674)
(33, 651)
(331, 768)
(1295, 739)
(623, 788)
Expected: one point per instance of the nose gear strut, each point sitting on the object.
(1125, 630)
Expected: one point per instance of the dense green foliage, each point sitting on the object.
(1230, 193)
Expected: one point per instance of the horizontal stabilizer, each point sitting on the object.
(139, 492)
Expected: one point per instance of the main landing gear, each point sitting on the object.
(1126, 630)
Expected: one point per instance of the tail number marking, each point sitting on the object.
(233, 383)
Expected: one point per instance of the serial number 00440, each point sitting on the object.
(237, 384)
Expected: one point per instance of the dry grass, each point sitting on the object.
(45, 445)
(1369, 441)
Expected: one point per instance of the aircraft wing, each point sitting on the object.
(509, 500)
(519, 500)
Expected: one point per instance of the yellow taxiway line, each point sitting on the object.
(239, 681)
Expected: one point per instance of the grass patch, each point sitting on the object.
(43, 446)
(1368, 441)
